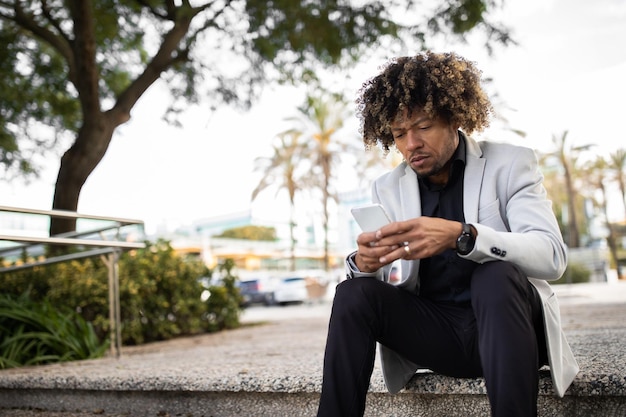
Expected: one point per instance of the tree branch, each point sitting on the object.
(168, 54)
(48, 14)
(156, 12)
(57, 41)
(84, 47)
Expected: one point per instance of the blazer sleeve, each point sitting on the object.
(521, 227)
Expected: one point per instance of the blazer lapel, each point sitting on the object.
(411, 205)
(472, 180)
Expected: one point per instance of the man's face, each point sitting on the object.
(426, 144)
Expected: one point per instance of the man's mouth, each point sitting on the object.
(418, 159)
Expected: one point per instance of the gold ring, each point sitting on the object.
(406, 248)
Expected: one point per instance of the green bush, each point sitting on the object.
(34, 333)
(224, 300)
(574, 274)
(160, 293)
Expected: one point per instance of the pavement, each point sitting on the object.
(280, 349)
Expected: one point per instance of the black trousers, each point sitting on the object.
(499, 336)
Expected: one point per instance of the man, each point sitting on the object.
(477, 240)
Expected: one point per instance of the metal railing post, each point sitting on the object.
(115, 316)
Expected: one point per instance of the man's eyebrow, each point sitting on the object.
(412, 123)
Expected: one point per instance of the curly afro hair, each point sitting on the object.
(443, 85)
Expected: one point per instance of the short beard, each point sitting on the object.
(433, 171)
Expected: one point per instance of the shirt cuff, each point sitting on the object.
(352, 271)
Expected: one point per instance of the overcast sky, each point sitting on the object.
(567, 74)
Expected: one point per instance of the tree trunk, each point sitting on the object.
(77, 164)
(573, 234)
(292, 236)
(611, 238)
(326, 243)
(326, 161)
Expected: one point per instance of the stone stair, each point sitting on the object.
(274, 369)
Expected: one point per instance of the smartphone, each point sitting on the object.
(370, 217)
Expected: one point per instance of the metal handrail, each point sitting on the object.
(73, 241)
(69, 215)
(58, 258)
(107, 249)
(34, 241)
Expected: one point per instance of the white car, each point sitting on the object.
(256, 291)
(291, 290)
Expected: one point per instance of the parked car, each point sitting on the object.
(291, 290)
(256, 291)
(395, 273)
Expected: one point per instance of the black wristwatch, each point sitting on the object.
(466, 240)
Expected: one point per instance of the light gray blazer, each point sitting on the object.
(504, 199)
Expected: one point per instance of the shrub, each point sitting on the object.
(36, 333)
(224, 300)
(574, 274)
(160, 293)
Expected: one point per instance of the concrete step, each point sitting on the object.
(281, 402)
(426, 395)
(274, 369)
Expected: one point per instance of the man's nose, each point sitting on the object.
(413, 140)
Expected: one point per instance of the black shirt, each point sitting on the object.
(446, 277)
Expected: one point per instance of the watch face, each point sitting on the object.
(465, 242)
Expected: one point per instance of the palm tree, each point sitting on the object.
(596, 175)
(568, 156)
(373, 162)
(307, 155)
(617, 164)
(320, 118)
(555, 187)
(280, 171)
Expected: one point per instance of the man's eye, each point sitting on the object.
(398, 135)
(425, 127)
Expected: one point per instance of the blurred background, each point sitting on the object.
(214, 173)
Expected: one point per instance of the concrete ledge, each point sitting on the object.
(275, 369)
(601, 355)
(271, 404)
(599, 390)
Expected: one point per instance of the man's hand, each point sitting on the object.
(417, 238)
(370, 252)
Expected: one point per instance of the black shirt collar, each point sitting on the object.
(456, 167)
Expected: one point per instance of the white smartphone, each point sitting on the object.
(370, 217)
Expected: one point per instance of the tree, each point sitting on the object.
(596, 173)
(76, 68)
(617, 164)
(297, 165)
(280, 171)
(250, 233)
(555, 186)
(320, 118)
(567, 156)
